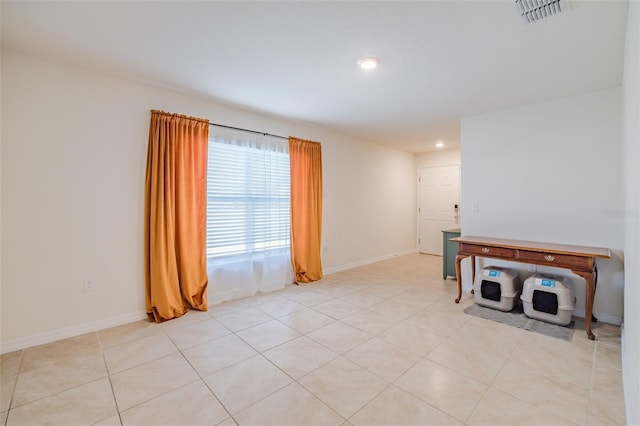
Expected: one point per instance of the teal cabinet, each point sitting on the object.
(449, 253)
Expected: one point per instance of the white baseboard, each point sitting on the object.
(66, 332)
(609, 319)
(606, 318)
(347, 266)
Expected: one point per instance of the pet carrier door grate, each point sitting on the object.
(490, 290)
(545, 302)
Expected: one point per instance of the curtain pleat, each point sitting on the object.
(175, 216)
(306, 209)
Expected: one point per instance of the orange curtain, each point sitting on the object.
(175, 216)
(306, 209)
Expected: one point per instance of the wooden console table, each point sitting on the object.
(579, 259)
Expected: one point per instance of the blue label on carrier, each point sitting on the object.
(494, 273)
(548, 283)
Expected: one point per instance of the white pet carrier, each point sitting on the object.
(548, 298)
(497, 288)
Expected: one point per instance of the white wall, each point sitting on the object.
(631, 330)
(551, 172)
(447, 157)
(73, 168)
(367, 196)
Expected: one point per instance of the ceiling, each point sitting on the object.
(440, 60)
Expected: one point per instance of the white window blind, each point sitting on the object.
(248, 196)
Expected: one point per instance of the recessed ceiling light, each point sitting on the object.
(439, 144)
(368, 63)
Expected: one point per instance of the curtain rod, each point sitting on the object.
(246, 130)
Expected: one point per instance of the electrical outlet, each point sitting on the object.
(533, 268)
(89, 285)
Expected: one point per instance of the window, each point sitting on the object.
(248, 195)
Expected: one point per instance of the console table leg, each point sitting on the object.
(595, 288)
(590, 294)
(459, 276)
(473, 272)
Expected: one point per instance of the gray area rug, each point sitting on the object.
(517, 318)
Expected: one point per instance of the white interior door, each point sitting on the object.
(439, 202)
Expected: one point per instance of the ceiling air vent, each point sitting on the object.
(536, 10)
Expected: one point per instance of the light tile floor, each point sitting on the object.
(383, 344)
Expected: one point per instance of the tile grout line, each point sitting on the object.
(200, 378)
(140, 365)
(388, 383)
(490, 385)
(293, 380)
(15, 385)
(106, 367)
(57, 393)
(535, 406)
(593, 371)
(322, 365)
